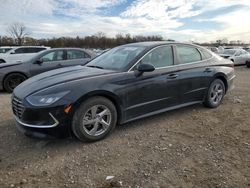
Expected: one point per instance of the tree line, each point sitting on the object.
(99, 40)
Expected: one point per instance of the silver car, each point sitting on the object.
(12, 74)
(238, 56)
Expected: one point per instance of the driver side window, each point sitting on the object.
(160, 57)
(53, 56)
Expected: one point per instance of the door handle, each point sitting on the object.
(208, 70)
(172, 76)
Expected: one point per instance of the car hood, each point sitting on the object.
(58, 76)
(4, 65)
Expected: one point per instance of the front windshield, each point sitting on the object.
(229, 52)
(4, 50)
(117, 58)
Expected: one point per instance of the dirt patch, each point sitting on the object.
(189, 147)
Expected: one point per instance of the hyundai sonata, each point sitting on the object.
(124, 84)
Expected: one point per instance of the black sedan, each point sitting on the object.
(124, 84)
(12, 74)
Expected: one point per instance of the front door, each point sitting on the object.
(51, 60)
(76, 57)
(152, 91)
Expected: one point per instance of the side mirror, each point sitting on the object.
(39, 62)
(145, 68)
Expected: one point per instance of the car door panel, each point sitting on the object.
(44, 67)
(73, 62)
(149, 92)
(194, 83)
(49, 61)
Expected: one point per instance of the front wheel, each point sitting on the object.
(13, 80)
(94, 119)
(215, 94)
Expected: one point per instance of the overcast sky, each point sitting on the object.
(182, 20)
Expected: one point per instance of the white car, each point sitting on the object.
(20, 53)
(238, 56)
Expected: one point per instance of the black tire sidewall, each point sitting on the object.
(77, 127)
(208, 101)
(248, 64)
(6, 80)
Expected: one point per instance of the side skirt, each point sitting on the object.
(161, 111)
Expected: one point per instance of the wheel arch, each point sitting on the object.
(2, 60)
(102, 93)
(223, 78)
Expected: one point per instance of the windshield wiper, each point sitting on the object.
(94, 66)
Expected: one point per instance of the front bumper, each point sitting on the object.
(44, 123)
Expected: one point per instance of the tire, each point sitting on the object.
(215, 94)
(13, 80)
(248, 64)
(2, 61)
(94, 119)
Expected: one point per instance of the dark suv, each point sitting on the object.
(12, 74)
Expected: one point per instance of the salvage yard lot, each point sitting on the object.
(189, 147)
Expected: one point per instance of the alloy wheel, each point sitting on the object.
(97, 120)
(216, 93)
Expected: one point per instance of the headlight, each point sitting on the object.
(44, 100)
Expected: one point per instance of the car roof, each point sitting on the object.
(67, 49)
(7, 46)
(152, 44)
(15, 47)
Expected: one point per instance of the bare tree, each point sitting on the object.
(18, 31)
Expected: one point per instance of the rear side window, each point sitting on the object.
(35, 50)
(188, 54)
(76, 54)
(205, 54)
(21, 51)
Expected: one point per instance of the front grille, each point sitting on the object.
(17, 107)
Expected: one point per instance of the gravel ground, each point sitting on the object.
(189, 147)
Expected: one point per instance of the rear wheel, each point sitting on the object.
(94, 119)
(215, 94)
(13, 80)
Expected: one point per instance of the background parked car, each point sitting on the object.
(213, 49)
(20, 53)
(247, 49)
(238, 56)
(4, 49)
(12, 74)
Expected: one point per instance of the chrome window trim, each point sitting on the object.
(174, 65)
(38, 126)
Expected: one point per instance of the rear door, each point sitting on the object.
(51, 60)
(76, 57)
(194, 72)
